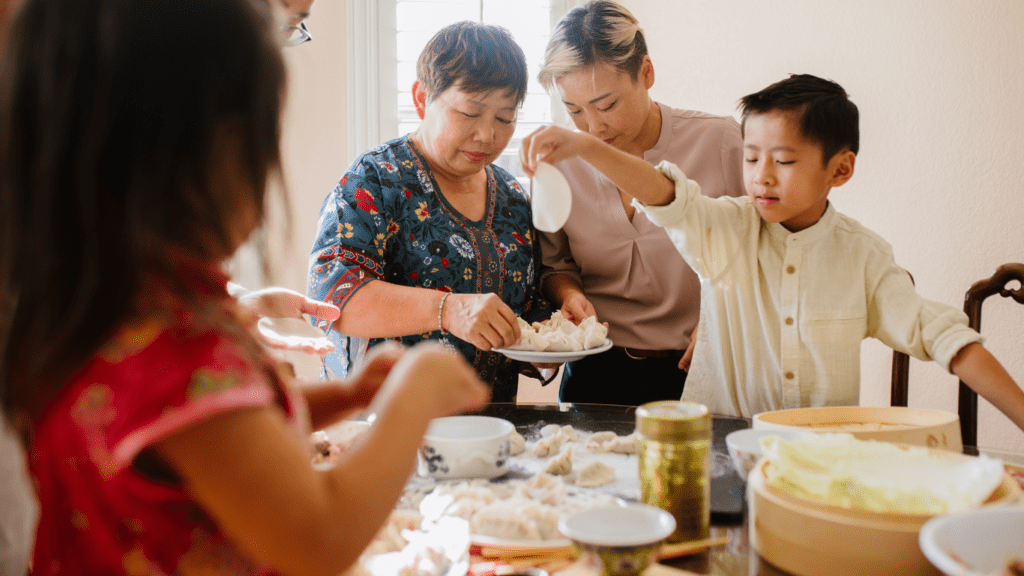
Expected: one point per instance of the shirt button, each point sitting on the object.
(789, 321)
(789, 375)
(790, 269)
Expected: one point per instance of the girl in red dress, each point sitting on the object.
(136, 142)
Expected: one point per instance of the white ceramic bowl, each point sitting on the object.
(618, 540)
(901, 425)
(745, 446)
(465, 447)
(975, 543)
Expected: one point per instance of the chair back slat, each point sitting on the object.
(967, 402)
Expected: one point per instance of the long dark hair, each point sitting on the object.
(113, 118)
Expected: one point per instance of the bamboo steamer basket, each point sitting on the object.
(809, 538)
(901, 425)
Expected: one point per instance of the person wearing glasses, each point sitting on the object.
(293, 21)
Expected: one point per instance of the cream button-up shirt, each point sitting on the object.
(783, 313)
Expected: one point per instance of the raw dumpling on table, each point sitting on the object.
(562, 464)
(597, 441)
(567, 432)
(595, 474)
(547, 446)
(516, 443)
(611, 442)
(504, 521)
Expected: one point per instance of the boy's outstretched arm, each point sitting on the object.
(632, 174)
(980, 370)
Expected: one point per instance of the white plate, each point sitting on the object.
(506, 544)
(552, 357)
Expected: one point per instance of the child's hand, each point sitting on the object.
(371, 374)
(434, 379)
(284, 303)
(552, 144)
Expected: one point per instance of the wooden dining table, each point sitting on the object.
(735, 557)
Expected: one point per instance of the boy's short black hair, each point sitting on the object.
(825, 113)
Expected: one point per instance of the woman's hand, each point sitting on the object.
(483, 320)
(552, 144)
(576, 307)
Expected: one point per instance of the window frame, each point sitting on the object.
(373, 69)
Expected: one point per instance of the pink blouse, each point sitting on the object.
(630, 271)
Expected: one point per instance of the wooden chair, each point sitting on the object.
(973, 299)
(900, 374)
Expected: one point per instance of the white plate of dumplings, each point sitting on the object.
(558, 340)
(550, 198)
(553, 357)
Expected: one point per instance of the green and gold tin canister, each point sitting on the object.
(674, 444)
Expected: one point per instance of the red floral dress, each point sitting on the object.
(102, 509)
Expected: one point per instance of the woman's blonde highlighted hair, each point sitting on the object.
(600, 31)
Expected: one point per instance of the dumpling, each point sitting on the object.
(562, 464)
(559, 341)
(504, 521)
(546, 518)
(624, 444)
(595, 474)
(550, 430)
(544, 488)
(516, 443)
(597, 441)
(568, 434)
(547, 446)
(592, 332)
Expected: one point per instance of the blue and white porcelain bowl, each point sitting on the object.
(465, 447)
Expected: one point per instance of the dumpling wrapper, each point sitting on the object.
(551, 198)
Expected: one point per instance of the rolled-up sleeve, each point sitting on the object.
(903, 320)
(349, 250)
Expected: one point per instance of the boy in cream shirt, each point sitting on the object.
(789, 286)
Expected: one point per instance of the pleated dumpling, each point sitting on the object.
(592, 333)
(562, 464)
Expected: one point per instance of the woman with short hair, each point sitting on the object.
(423, 237)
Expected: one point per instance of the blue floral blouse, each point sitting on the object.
(387, 220)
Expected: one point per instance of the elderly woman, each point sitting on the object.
(423, 238)
(609, 259)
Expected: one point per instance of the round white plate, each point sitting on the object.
(553, 357)
(506, 544)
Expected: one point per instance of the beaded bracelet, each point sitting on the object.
(440, 309)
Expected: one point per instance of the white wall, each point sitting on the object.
(314, 145)
(939, 85)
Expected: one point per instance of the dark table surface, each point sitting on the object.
(735, 558)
